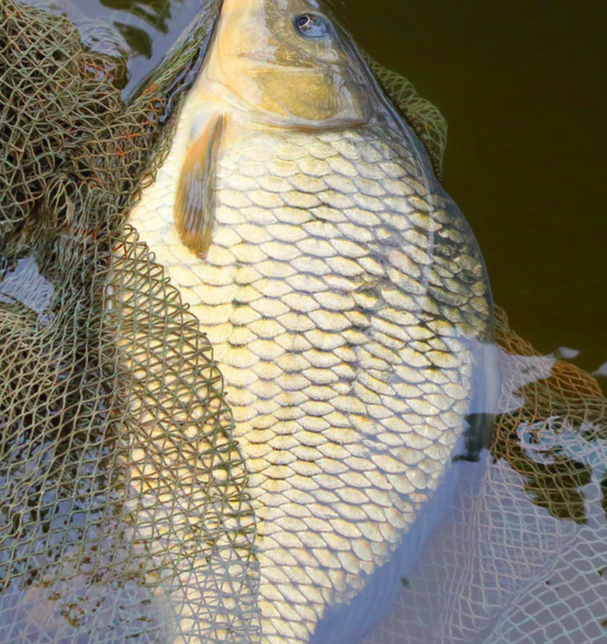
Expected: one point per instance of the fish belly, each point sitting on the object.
(343, 300)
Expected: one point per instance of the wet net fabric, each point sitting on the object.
(425, 118)
(123, 507)
(124, 511)
(521, 555)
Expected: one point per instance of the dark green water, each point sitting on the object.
(521, 84)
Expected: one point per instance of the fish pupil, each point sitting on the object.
(311, 25)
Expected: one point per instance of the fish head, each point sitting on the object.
(289, 62)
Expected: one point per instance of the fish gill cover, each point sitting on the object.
(124, 510)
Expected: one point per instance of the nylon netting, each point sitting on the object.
(124, 513)
(426, 119)
(123, 505)
(520, 558)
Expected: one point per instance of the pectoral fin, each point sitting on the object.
(194, 210)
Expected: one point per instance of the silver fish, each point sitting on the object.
(347, 302)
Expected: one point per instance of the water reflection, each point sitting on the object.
(139, 31)
(22, 283)
(155, 13)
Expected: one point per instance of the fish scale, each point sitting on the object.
(341, 310)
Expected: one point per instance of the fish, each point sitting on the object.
(347, 302)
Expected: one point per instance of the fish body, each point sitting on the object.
(346, 301)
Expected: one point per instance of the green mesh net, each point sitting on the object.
(123, 507)
(124, 512)
(426, 119)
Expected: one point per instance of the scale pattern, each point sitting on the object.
(521, 554)
(342, 299)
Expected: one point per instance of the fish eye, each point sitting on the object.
(311, 25)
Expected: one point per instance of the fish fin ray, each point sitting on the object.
(194, 209)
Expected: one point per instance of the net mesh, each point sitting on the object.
(425, 118)
(521, 555)
(123, 506)
(124, 513)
